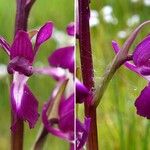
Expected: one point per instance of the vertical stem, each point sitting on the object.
(21, 22)
(87, 69)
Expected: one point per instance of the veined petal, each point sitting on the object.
(66, 113)
(63, 57)
(43, 35)
(22, 47)
(82, 130)
(142, 103)
(141, 53)
(81, 91)
(71, 29)
(24, 104)
(5, 45)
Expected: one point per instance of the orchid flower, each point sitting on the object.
(22, 55)
(141, 65)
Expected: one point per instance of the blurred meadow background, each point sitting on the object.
(119, 127)
(61, 13)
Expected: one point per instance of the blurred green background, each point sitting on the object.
(60, 13)
(119, 127)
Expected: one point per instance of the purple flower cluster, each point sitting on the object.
(58, 112)
(141, 65)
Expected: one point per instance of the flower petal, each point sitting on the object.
(22, 47)
(142, 103)
(71, 29)
(43, 35)
(49, 125)
(57, 73)
(66, 113)
(24, 104)
(63, 57)
(115, 46)
(81, 92)
(5, 45)
(82, 132)
(141, 53)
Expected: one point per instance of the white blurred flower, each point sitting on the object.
(108, 16)
(62, 39)
(147, 2)
(134, 1)
(94, 18)
(122, 34)
(3, 70)
(135, 19)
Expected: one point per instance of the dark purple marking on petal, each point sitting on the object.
(82, 130)
(22, 47)
(63, 57)
(5, 45)
(66, 115)
(71, 29)
(21, 65)
(81, 92)
(142, 103)
(141, 53)
(43, 35)
(24, 104)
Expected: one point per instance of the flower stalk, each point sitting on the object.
(121, 57)
(21, 21)
(87, 69)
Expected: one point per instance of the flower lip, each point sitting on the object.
(21, 65)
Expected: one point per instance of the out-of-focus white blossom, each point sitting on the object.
(122, 34)
(3, 70)
(146, 2)
(108, 16)
(134, 1)
(135, 19)
(94, 18)
(62, 39)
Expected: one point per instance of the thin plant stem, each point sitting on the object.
(87, 69)
(21, 21)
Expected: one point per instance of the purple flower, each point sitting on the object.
(71, 29)
(81, 92)
(82, 130)
(140, 65)
(22, 55)
(64, 121)
(65, 58)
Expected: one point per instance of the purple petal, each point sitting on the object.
(82, 132)
(57, 73)
(71, 29)
(21, 65)
(43, 35)
(66, 113)
(24, 104)
(142, 103)
(81, 92)
(115, 46)
(5, 45)
(141, 53)
(49, 125)
(22, 47)
(63, 57)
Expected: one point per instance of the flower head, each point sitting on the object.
(141, 65)
(22, 56)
